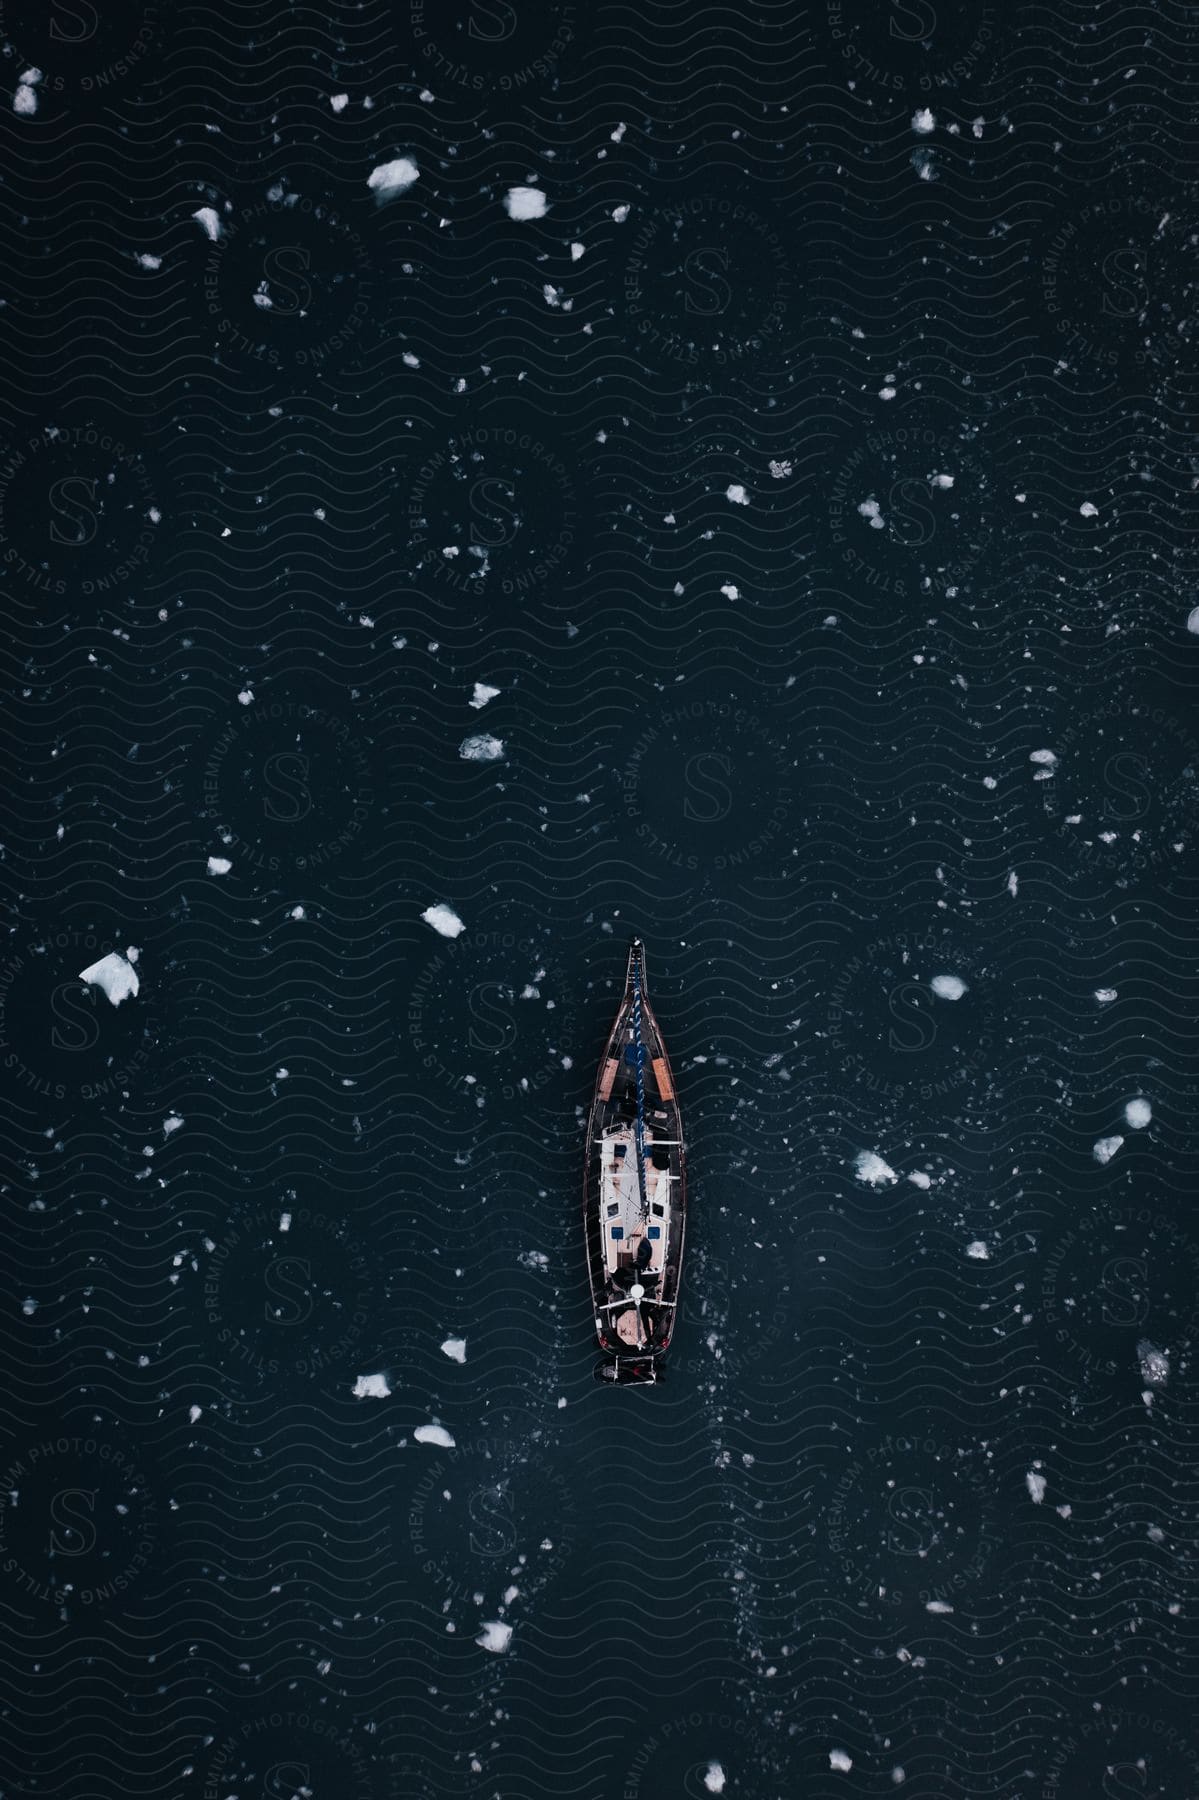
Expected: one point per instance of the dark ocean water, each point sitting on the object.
(813, 481)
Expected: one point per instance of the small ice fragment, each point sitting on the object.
(524, 203)
(285, 1221)
(919, 1179)
(978, 1251)
(195, 1413)
(714, 1778)
(455, 1349)
(434, 1434)
(171, 1123)
(117, 977)
(782, 469)
(1138, 1113)
(297, 912)
(219, 865)
(1013, 884)
(483, 748)
(1046, 758)
(937, 1606)
(1106, 1148)
(372, 1387)
(840, 1759)
(1036, 1486)
(736, 493)
(339, 102)
(923, 121)
(948, 987)
(886, 392)
(495, 1636)
(246, 697)
(942, 481)
(730, 590)
(620, 214)
(482, 694)
(870, 509)
(146, 261)
(208, 219)
(576, 252)
(392, 178)
(29, 1307)
(870, 1167)
(1193, 620)
(1088, 510)
(443, 919)
(1105, 996)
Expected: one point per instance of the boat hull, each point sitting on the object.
(635, 1210)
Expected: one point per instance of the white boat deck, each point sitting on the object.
(622, 1224)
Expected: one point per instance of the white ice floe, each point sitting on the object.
(372, 1387)
(482, 695)
(840, 1759)
(495, 1636)
(1106, 1148)
(869, 1166)
(937, 1606)
(219, 865)
(1036, 1486)
(455, 1349)
(1138, 1113)
(522, 203)
(434, 1434)
(171, 1123)
(115, 975)
(870, 509)
(443, 919)
(942, 481)
(481, 748)
(339, 102)
(391, 178)
(1046, 759)
(146, 261)
(730, 590)
(919, 1179)
(24, 101)
(1013, 884)
(194, 1413)
(923, 121)
(1193, 620)
(948, 987)
(1155, 1364)
(715, 1778)
(1089, 510)
(209, 221)
(736, 493)
(1105, 996)
(780, 470)
(978, 1251)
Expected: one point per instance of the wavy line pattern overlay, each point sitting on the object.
(724, 472)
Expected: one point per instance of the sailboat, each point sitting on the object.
(635, 1190)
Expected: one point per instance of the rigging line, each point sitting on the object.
(640, 1066)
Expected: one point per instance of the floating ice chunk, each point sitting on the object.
(392, 178)
(715, 1778)
(483, 748)
(870, 1167)
(1105, 996)
(1047, 759)
(948, 987)
(620, 214)
(171, 1123)
(208, 219)
(24, 101)
(219, 865)
(1036, 1486)
(730, 590)
(780, 470)
(870, 509)
(576, 252)
(285, 1221)
(115, 975)
(146, 261)
(372, 1387)
(937, 1606)
(1106, 1148)
(455, 1349)
(840, 1759)
(29, 1307)
(1088, 510)
(1193, 620)
(1013, 884)
(1155, 1364)
(923, 121)
(736, 493)
(495, 1636)
(434, 1434)
(194, 1413)
(443, 919)
(919, 1179)
(978, 1251)
(1138, 1113)
(524, 203)
(482, 694)
(339, 102)
(942, 481)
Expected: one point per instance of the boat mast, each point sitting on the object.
(640, 1067)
